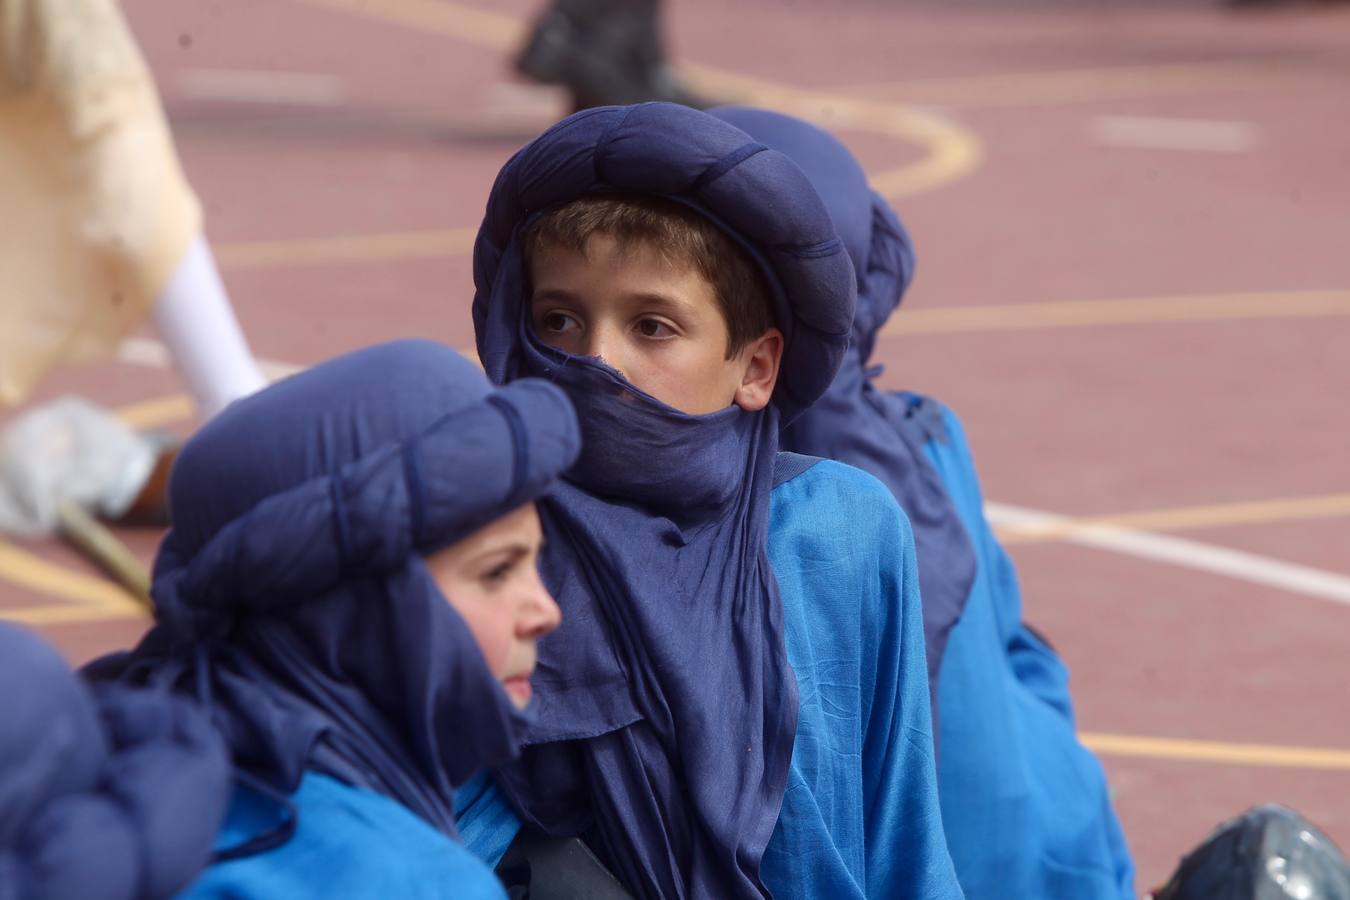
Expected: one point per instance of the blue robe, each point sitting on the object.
(1026, 807)
(349, 842)
(843, 554)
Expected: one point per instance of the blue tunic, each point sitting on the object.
(1026, 807)
(349, 842)
(860, 816)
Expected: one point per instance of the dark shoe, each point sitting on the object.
(609, 65)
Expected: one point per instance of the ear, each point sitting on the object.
(761, 358)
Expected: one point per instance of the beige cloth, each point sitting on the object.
(95, 211)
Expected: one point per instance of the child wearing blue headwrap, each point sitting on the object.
(350, 590)
(1026, 807)
(736, 703)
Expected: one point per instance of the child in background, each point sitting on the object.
(102, 227)
(101, 231)
(1026, 807)
(350, 588)
(736, 703)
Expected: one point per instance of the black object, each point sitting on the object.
(606, 52)
(538, 867)
(1268, 853)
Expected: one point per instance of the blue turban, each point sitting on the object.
(291, 595)
(106, 793)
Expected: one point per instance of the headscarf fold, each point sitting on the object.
(106, 793)
(856, 422)
(291, 596)
(666, 704)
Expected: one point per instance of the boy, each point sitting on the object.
(1026, 807)
(736, 702)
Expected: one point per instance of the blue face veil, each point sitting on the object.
(666, 705)
(855, 422)
(291, 597)
(105, 792)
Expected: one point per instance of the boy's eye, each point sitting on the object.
(558, 322)
(498, 573)
(654, 328)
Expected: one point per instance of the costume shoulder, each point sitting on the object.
(348, 842)
(836, 504)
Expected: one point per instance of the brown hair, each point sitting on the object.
(682, 236)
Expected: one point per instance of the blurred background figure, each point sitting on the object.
(605, 52)
(102, 232)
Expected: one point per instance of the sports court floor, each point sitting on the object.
(1134, 285)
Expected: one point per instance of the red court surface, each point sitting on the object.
(1134, 237)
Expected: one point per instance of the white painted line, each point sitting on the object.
(248, 86)
(1174, 134)
(1188, 554)
(153, 354)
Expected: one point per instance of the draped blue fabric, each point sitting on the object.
(666, 704)
(106, 792)
(291, 596)
(1025, 807)
(855, 422)
(349, 843)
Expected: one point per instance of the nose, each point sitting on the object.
(602, 342)
(538, 613)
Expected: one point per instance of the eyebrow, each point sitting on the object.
(511, 551)
(553, 294)
(662, 302)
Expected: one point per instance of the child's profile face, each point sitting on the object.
(491, 578)
(656, 322)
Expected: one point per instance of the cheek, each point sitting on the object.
(493, 628)
(695, 379)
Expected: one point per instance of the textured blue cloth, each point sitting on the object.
(855, 422)
(350, 843)
(1026, 807)
(291, 596)
(106, 793)
(666, 703)
(860, 814)
(844, 557)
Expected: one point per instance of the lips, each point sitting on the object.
(519, 690)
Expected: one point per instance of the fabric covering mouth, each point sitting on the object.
(757, 195)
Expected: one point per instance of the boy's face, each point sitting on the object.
(657, 323)
(491, 578)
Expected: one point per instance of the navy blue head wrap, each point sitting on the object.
(291, 595)
(855, 422)
(666, 705)
(105, 791)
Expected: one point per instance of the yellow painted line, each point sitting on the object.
(73, 614)
(1258, 512)
(35, 573)
(1078, 85)
(1149, 310)
(158, 411)
(951, 151)
(1217, 752)
(469, 24)
(347, 249)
